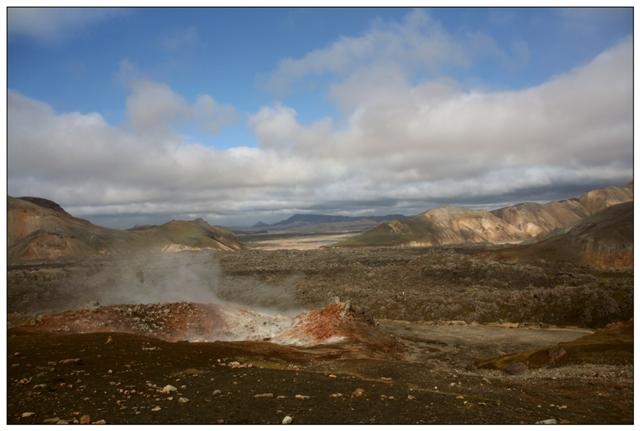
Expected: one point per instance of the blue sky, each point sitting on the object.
(298, 69)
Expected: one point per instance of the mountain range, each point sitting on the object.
(39, 229)
(452, 226)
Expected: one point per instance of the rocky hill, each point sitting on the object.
(513, 224)
(603, 241)
(39, 229)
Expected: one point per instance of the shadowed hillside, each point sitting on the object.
(39, 229)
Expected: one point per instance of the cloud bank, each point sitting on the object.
(399, 144)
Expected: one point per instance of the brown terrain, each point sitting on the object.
(182, 323)
(514, 224)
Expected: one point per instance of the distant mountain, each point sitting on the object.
(39, 229)
(301, 219)
(260, 224)
(603, 240)
(514, 224)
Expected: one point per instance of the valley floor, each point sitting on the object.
(449, 309)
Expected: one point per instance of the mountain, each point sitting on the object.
(603, 241)
(39, 229)
(513, 224)
(302, 219)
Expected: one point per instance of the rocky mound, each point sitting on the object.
(336, 323)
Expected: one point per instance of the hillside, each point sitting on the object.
(513, 224)
(603, 241)
(39, 229)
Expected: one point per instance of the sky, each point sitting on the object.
(238, 115)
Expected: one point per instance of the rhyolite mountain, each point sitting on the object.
(603, 241)
(513, 224)
(40, 229)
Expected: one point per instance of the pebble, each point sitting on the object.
(169, 388)
(547, 422)
(264, 395)
(69, 361)
(217, 392)
(333, 376)
(62, 422)
(411, 397)
(100, 422)
(336, 395)
(28, 414)
(287, 420)
(85, 419)
(357, 393)
(51, 420)
(302, 397)
(156, 409)
(183, 400)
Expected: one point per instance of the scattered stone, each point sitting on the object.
(85, 419)
(264, 395)
(62, 422)
(183, 400)
(410, 397)
(547, 422)
(220, 421)
(386, 379)
(336, 395)
(287, 420)
(516, 368)
(51, 420)
(109, 340)
(69, 361)
(333, 376)
(302, 397)
(482, 403)
(169, 388)
(562, 407)
(460, 397)
(357, 393)
(99, 422)
(156, 409)
(28, 414)
(280, 397)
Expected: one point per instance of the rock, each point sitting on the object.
(156, 409)
(302, 397)
(410, 397)
(85, 419)
(264, 395)
(99, 422)
(183, 400)
(169, 388)
(547, 422)
(280, 397)
(357, 393)
(515, 368)
(51, 420)
(336, 395)
(27, 414)
(287, 420)
(220, 421)
(62, 422)
(69, 361)
(333, 376)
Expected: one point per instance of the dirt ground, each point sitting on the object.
(447, 310)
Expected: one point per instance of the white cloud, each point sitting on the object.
(55, 24)
(399, 143)
(181, 39)
(416, 42)
(154, 107)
